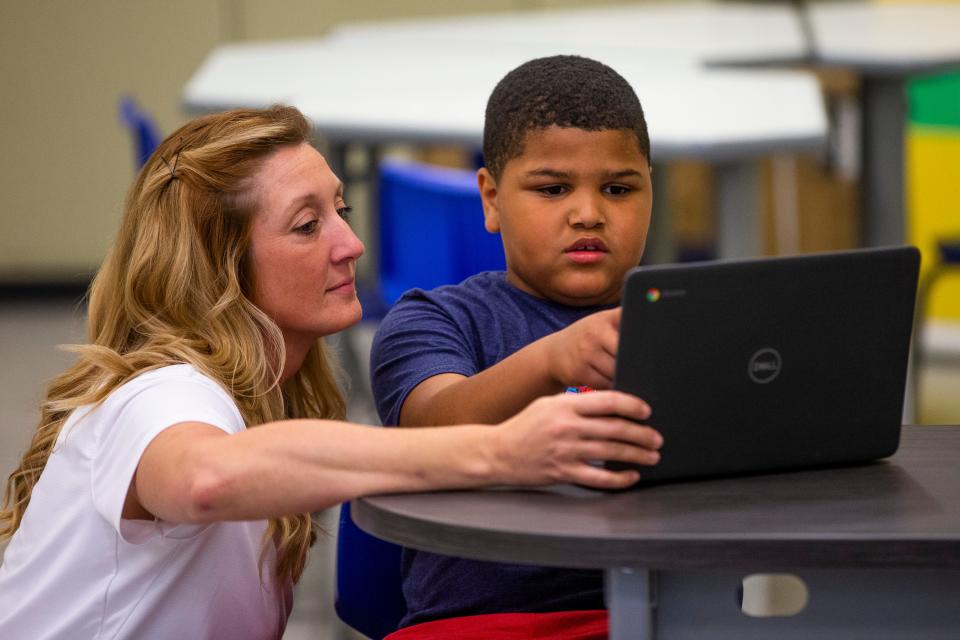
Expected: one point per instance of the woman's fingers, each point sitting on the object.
(610, 403)
(620, 430)
(556, 437)
(617, 451)
(598, 478)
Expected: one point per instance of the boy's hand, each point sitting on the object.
(585, 353)
(556, 437)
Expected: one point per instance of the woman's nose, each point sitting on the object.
(347, 246)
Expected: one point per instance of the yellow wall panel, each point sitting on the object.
(933, 203)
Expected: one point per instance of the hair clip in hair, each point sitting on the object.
(173, 169)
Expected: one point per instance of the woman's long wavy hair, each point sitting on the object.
(177, 287)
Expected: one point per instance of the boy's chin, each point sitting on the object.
(573, 292)
(585, 297)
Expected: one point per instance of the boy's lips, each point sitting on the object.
(587, 250)
(588, 244)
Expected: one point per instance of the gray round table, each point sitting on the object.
(877, 546)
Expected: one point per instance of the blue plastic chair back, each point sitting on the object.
(368, 592)
(146, 134)
(431, 228)
(950, 251)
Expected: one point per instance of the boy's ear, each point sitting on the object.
(488, 196)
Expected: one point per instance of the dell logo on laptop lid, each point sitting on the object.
(764, 365)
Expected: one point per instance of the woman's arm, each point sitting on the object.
(194, 472)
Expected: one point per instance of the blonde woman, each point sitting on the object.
(167, 490)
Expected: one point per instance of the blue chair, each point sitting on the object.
(950, 252)
(431, 228)
(143, 128)
(430, 233)
(368, 595)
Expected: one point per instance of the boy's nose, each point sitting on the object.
(587, 213)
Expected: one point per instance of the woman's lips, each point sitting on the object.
(346, 286)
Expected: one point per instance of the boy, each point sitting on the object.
(567, 185)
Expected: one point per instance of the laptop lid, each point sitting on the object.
(770, 364)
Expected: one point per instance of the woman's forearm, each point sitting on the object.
(299, 466)
(193, 472)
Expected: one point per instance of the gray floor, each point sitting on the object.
(29, 333)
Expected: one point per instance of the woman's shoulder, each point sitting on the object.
(177, 384)
(172, 372)
(156, 398)
(173, 375)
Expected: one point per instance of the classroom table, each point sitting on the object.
(886, 44)
(693, 31)
(654, 34)
(376, 92)
(877, 546)
(417, 94)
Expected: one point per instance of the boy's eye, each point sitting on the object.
(553, 190)
(617, 189)
(307, 228)
(344, 212)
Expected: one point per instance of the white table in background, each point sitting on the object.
(377, 93)
(885, 44)
(696, 32)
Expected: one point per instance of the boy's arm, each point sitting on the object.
(582, 354)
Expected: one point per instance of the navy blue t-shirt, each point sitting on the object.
(465, 329)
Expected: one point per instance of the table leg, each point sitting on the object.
(841, 604)
(336, 156)
(362, 190)
(884, 104)
(661, 244)
(738, 209)
(630, 599)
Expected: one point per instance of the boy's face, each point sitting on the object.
(573, 211)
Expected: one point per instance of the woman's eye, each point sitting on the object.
(307, 228)
(344, 212)
(553, 190)
(617, 189)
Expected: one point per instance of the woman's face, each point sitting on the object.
(303, 252)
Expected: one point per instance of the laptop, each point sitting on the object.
(770, 364)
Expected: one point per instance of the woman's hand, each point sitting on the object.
(556, 437)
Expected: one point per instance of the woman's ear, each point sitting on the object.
(488, 196)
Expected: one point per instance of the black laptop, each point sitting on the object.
(770, 364)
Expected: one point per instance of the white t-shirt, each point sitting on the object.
(76, 569)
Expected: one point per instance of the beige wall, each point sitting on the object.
(65, 161)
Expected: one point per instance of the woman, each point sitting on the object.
(167, 490)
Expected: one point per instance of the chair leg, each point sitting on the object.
(915, 370)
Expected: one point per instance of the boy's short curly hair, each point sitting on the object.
(563, 91)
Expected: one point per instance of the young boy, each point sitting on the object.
(567, 185)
